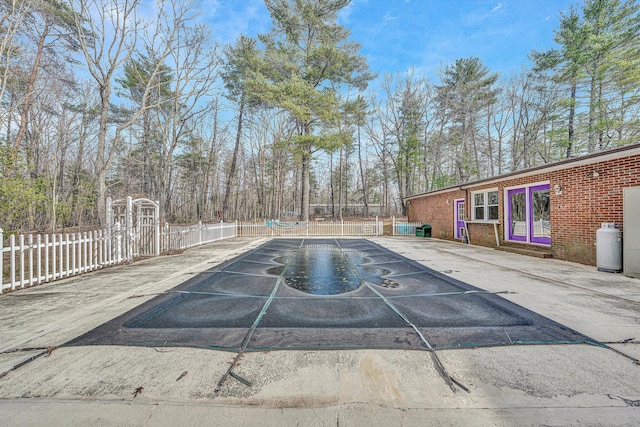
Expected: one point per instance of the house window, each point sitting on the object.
(485, 205)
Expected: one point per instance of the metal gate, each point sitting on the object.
(134, 227)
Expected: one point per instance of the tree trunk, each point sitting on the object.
(340, 184)
(572, 114)
(331, 189)
(101, 167)
(24, 115)
(305, 170)
(365, 202)
(234, 159)
(209, 161)
(592, 115)
(147, 188)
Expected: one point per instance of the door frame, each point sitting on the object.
(510, 236)
(528, 190)
(459, 233)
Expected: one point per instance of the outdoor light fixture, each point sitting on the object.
(557, 189)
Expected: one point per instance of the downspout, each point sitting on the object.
(467, 204)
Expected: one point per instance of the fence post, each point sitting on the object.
(39, 257)
(30, 244)
(167, 238)
(118, 255)
(393, 225)
(61, 258)
(99, 248)
(157, 227)
(54, 264)
(12, 261)
(88, 251)
(73, 254)
(85, 251)
(46, 257)
(21, 239)
(128, 232)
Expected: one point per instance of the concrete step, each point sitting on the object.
(538, 253)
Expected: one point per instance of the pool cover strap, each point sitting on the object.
(436, 360)
(246, 340)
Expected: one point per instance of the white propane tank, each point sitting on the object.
(609, 248)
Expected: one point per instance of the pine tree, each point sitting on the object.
(305, 55)
(467, 87)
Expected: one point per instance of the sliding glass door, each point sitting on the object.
(540, 212)
(528, 214)
(517, 214)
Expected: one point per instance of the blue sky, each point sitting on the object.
(398, 35)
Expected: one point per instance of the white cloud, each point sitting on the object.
(229, 19)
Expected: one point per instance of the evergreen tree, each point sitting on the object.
(568, 63)
(241, 59)
(467, 87)
(598, 55)
(612, 37)
(306, 54)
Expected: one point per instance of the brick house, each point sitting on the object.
(552, 210)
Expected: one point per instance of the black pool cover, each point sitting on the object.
(326, 294)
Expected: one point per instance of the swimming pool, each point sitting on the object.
(326, 294)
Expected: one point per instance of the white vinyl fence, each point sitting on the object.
(33, 259)
(311, 228)
(179, 237)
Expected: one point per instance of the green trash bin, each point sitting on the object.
(423, 231)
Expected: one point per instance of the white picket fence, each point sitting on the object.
(34, 259)
(179, 237)
(326, 228)
(311, 228)
(37, 259)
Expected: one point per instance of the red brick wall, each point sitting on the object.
(437, 211)
(586, 202)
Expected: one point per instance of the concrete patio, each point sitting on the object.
(45, 383)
